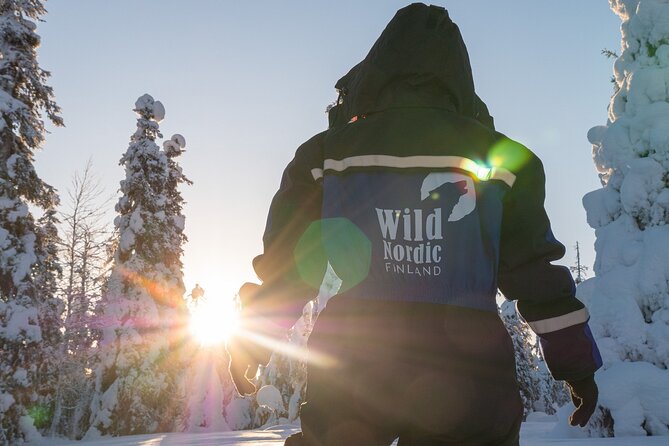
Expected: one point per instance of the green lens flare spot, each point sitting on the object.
(41, 415)
(339, 242)
(508, 154)
(309, 255)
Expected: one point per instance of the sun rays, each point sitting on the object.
(213, 320)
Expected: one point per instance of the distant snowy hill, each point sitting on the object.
(533, 433)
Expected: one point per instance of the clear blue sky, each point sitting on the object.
(247, 81)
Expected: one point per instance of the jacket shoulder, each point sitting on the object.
(312, 147)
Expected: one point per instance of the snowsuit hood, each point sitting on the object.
(420, 60)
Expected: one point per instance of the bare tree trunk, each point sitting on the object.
(85, 236)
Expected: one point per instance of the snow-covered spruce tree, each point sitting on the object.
(142, 311)
(24, 96)
(629, 296)
(538, 390)
(525, 362)
(46, 276)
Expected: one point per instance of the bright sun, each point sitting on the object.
(213, 320)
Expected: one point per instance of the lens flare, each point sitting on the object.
(339, 243)
(508, 154)
(212, 321)
(283, 347)
(483, 173)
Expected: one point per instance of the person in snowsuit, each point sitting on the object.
(197, 293)
(424, 211)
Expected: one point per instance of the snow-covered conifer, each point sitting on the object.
(538, 390)
(629, 297)
(142, 311)
(24, 96)
(46, 275)
(521, 336)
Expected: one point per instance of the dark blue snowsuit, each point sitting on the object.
(450, 211)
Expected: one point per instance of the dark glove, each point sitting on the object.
(245, 358)
(246, 355)
(584, 395)
(295, 440)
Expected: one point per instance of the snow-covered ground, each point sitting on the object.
(534, 433)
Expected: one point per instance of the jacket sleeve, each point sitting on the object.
(545, 293)
(283, 293)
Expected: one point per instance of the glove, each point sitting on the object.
(295, 440)
(245, 354)
(584, 395)
(245, 358)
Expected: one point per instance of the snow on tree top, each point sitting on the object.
(175, 145)
(171, 148)
(179, 139)
(144, 101)
(147, 107)
(158, 111)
